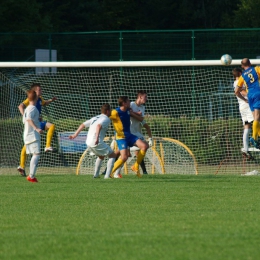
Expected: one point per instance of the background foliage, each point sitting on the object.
(92, 15)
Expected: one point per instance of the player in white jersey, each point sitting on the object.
(98, 127)
(32, 131)
(137, 123)
(245, 112)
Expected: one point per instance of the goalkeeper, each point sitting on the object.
(138, 107)
(44, 124)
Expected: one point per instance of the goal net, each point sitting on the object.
(192, 102)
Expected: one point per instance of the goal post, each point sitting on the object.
(189, 101)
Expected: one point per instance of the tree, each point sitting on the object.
(246, 15)
(21, 16)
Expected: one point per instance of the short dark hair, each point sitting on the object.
(35, 85)
(105, 108)
(236, 72)
(122, 100)
(141, 92)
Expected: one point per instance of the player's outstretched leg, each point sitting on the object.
(141, 154)
(97, 167)
(247, 155)
(142, 164)
(104, 172)
(50, 134)
(110, 164)
(21, 167)
(135, 167)
(117, 165)
(117, 174)
(255, 143)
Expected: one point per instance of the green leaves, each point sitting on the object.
(92, 15)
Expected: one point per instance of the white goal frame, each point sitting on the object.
(130, 64)
(107, 64)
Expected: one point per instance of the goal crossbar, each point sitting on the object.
(108, 64)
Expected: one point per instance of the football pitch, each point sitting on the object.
(155, 217)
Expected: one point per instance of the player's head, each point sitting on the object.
(37, 88)
(106, 110)
(124, 101)
(141, 96)
(236, 72)
(31, 95)
(245, 63)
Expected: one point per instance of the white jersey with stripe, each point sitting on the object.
(104, 121)
(136, 127)
(30, 135)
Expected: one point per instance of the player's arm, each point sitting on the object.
(148, 129)
(23, 105)
(80, 128)
(136, 116)
(257, 69)
(114, 115)
(149, 132)
(31, 123)
(47, 102)
(238, 89)
(98, 129)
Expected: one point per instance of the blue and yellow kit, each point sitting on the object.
(121, 123)
(250, 77)
(39, 104)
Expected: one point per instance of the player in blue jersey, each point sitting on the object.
(245, 112)
(250, 77)
(120, 118)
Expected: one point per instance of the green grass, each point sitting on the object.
(156, 217)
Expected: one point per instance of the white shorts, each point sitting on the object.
(246, 115)
(102, 149)
(33, 148)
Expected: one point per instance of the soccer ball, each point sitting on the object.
(226, 59)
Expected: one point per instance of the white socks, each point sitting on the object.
(110, 164)
(97, 167)
(118, 171)
(33, 165)
(246, 139)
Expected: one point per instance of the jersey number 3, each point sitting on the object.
(251, 77)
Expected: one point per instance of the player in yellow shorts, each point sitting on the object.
(44, 124)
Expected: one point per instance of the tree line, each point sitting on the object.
(109, 15)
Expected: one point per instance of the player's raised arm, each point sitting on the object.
(23, 105)
(47, 102)
(81, 127)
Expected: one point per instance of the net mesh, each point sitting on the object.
(195, 105)
(165, 156)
